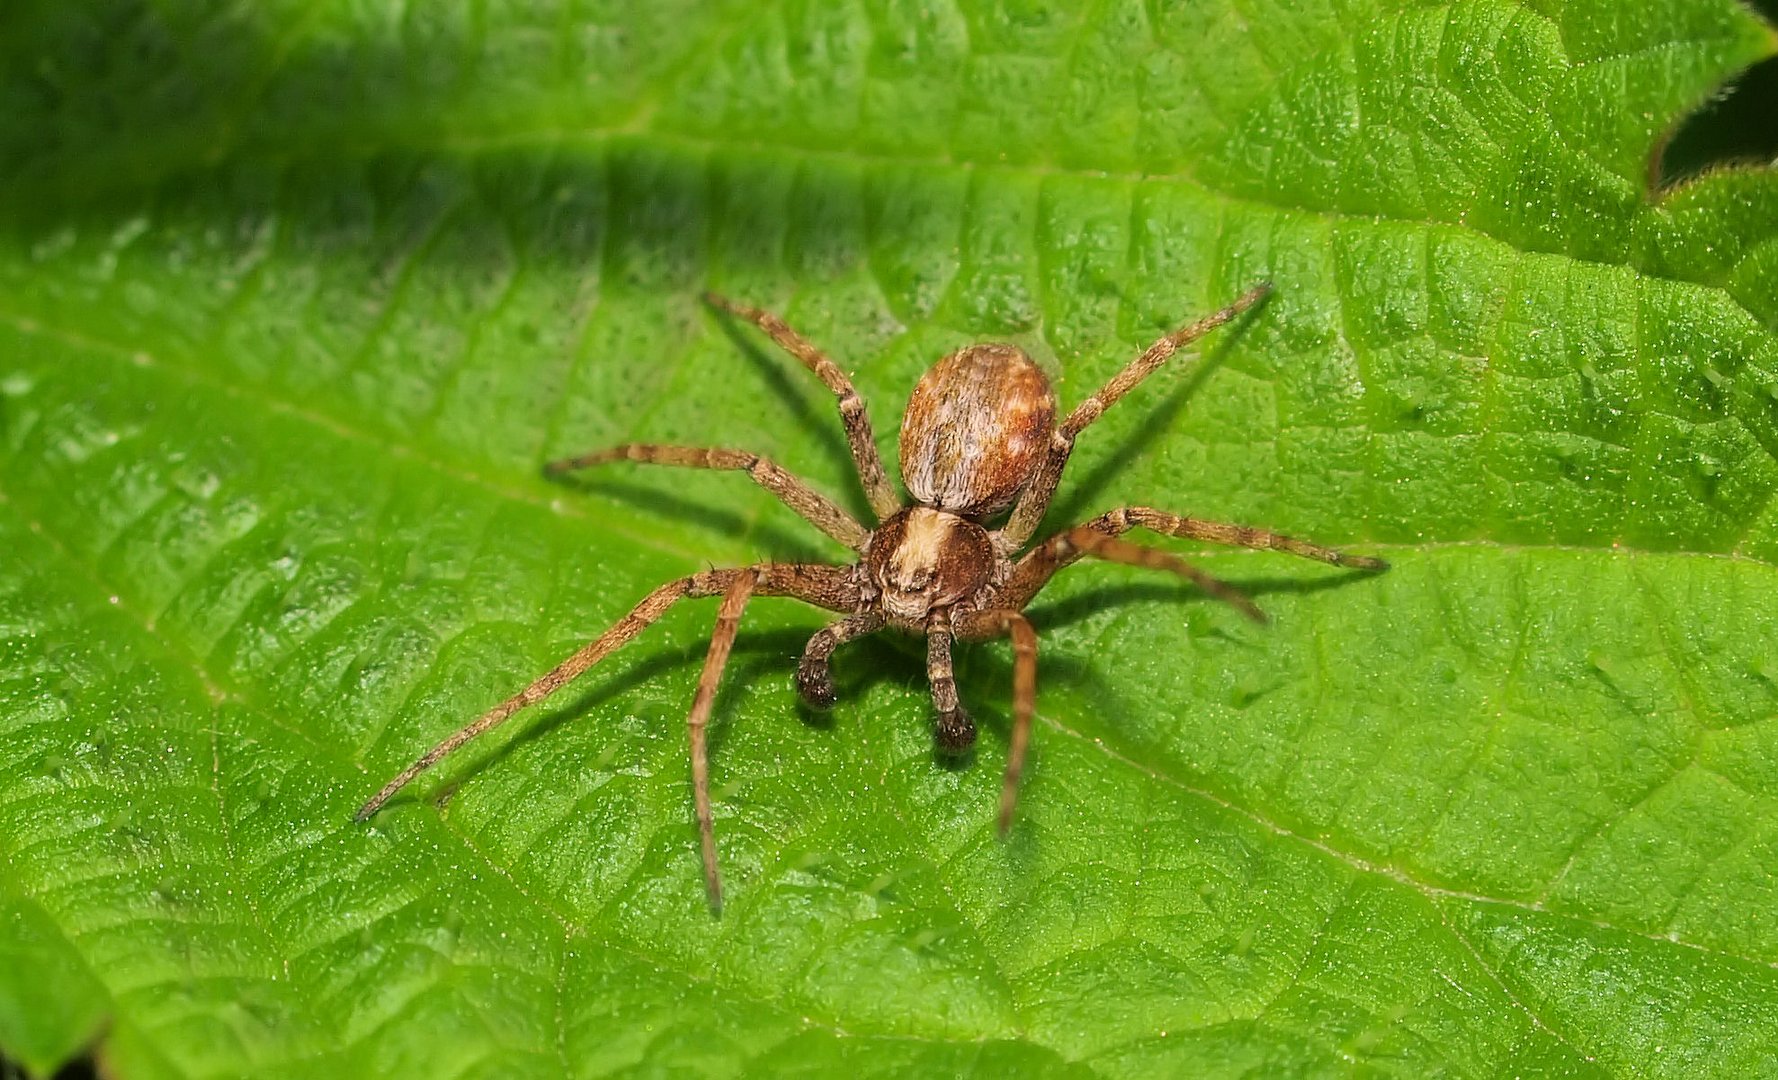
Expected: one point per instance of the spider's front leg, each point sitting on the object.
(991, 624)
(642, 616)
(830, 587)
(722, 641)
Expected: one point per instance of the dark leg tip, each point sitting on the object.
(815, 687)
(1364, 562)
(955, 732)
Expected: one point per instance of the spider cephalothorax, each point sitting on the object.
(921, 560)
(979, 437)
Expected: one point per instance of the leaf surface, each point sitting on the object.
(294, 301)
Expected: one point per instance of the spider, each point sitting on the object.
(979, 437)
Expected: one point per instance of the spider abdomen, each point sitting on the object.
(976, 428)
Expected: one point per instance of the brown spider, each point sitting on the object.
(979, 436)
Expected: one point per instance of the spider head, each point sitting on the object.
(976, 427)
(922, 559)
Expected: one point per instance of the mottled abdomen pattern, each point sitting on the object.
(976, 428)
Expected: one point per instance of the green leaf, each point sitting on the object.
(296, 297)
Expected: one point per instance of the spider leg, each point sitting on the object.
(814, 679)
(1035, 569)
(1033, 572)
(1142, 517)
(722, 640)
(853, 413)
(824, 586)
(1028, 513)
(956, 731)
(815, 508)
(993, 623)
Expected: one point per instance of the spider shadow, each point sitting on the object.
(883, 658)
(767, 651)
(861, 666)
(771, 654)
(986, 674)
(659, 501)
(1072, 507)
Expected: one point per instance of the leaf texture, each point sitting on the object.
(295, 298)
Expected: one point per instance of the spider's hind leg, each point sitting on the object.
(1027, 514)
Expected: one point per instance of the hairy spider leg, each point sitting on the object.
(814, 507)
(993, 623)
(722, 640)
(956, 731)
(813, 583)
(853, 413)
(1031, 573)
(1028, 512)
(1058, 551)
(814, 676)
(1143, 517)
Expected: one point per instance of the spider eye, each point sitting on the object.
(914, 581)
